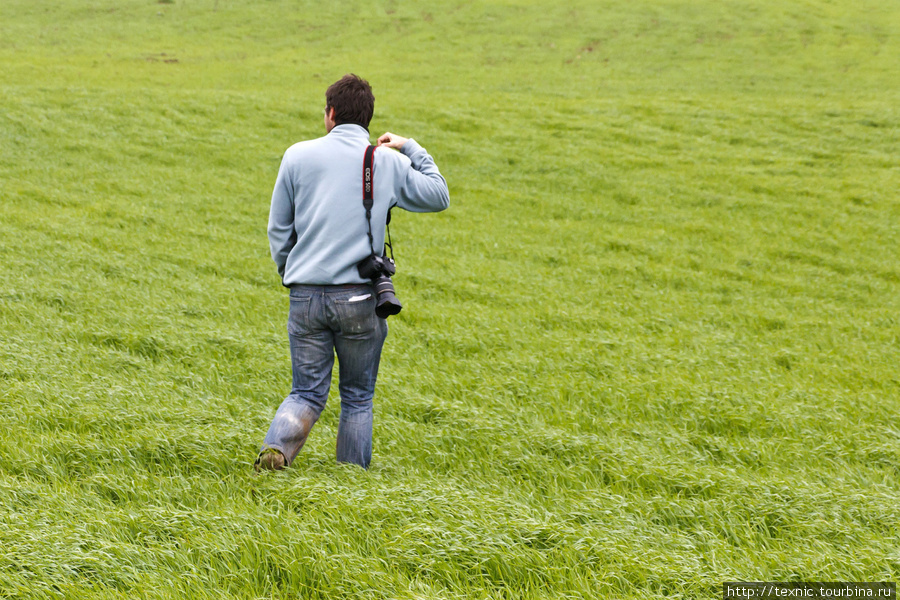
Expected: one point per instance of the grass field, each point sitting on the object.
(653, 345)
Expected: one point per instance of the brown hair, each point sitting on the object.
(352, 100)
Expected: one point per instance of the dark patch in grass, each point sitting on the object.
(230, 348)
(111, 494)
(192, 311)
(625, 198)
(773, 324)
(112, 272)
(885, 456)
(457, 123)
(554, 261)
(44, 198)
(617, 246)
(705, 202)
(55, 302)
(724, 424)
(161, 56)
(427, 414)
(542, 538)
(812, 260)
(784, 362)
(891, 276)
(146, 347)
(14, 375)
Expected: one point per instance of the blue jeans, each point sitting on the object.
(324, 320)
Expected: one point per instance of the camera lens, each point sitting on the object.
(387, 303)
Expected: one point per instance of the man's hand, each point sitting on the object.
(392, 140)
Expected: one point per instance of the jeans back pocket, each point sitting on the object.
(357, 313)
(298, 317)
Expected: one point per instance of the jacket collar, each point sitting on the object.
(350, 129)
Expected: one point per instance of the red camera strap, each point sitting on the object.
(368, 180)
(368, 177)
(368, 185)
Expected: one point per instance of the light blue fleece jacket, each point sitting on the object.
(317, 223)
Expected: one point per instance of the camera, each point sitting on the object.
(379, 269)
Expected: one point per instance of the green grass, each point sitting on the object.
(651, 347)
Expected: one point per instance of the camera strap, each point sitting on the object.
(368, 198)
(368, 185)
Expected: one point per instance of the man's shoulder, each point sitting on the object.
(304, 146)
(391, 158)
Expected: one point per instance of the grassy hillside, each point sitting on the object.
(651, 347)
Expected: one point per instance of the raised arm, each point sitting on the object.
(424, 189)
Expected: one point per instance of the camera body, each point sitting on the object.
(379, 269)
(374, 266)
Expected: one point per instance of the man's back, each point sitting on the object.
(317, 225)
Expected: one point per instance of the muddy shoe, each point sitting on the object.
(269, 460)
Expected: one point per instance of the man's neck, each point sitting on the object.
(352, 123)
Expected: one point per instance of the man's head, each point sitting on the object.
(349, 100)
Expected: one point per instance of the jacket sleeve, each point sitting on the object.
(282, 235)
(424, 189)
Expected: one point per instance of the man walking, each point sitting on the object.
(318, 234)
